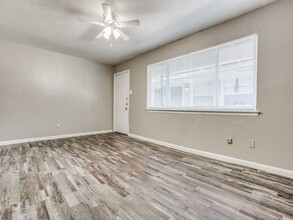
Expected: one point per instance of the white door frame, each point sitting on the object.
(116, 74)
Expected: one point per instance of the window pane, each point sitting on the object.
(178, 77)
(222, 77)
(157, 85)
(236, 75)
(176, 96)
(202, 78)
(203, 95)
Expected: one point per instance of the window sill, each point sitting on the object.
(209, 112)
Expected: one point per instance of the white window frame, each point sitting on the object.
(249, 112)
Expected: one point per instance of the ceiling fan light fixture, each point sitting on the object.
(116, 33)
(106, 36)
(111, 26)
(107, 32)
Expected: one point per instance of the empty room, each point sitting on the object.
(146, 109)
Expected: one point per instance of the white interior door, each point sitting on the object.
(121, 102)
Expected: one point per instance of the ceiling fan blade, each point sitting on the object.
(107, 13)
(100, 35)
(91, 21)
(129, 23)
(123, 36)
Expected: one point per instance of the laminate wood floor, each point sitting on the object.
(112, 176)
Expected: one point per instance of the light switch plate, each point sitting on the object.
(252, 144)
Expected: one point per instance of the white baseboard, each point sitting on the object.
(20, 141)
(270, 169)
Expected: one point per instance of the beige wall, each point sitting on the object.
(272, 131)
(40, 88)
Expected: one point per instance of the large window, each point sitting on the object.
(219, 78)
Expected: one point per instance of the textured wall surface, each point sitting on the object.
(40, 88)
(272, 131)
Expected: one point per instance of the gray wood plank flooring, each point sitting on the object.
(112, 176)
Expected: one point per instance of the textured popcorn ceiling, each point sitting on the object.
(53, 25)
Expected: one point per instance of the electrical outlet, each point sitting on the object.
(252, 144)
(229, 141)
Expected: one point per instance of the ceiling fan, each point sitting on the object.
(112, 26)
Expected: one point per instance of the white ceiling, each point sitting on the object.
(53, 24)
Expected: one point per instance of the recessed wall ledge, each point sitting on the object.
(207, 112)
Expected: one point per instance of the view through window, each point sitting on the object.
(219, 78)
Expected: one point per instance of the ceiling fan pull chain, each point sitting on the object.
(111, 40)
